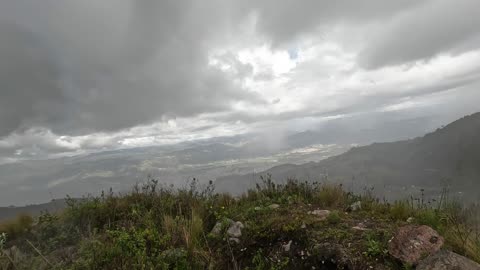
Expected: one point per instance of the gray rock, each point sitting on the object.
(234, 239)
(287, 246)
(446, 260)
(220, 226)
(360, 227)
(235, 229)
(321, 214)
(274, 206)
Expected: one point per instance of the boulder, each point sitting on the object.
(235, 229)
(412, 243)
(321, 214)
(446, 260)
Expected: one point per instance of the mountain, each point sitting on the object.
(37, 181)
(7, 213)
(448, 156)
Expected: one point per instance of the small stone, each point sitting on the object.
(235, 229)
(287, 246)
(218, 228)
(321, 214)
(234, 239)
(410, 220)
(360, 227)
(274, 206)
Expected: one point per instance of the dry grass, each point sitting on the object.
(18, 226)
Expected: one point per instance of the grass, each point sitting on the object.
(17, 227)
(155, 227)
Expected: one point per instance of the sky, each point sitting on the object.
(87, 76)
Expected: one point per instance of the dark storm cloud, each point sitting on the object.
(28, 81)
(291, 18)
(78, 67)
(433, 28)
(84, 66)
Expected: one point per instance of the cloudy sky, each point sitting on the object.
(80, 76)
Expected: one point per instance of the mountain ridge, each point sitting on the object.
(450, 153)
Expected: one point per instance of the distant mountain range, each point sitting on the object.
(7, 213)
(450, 156)
(36, 181)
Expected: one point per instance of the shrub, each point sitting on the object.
(429, 217)
(375, 245)
(401, 210)
(334, 217)
(332, 196)
(185, 231)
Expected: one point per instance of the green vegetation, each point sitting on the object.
(153, 227)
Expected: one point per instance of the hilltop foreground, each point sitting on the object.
(292, 226)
